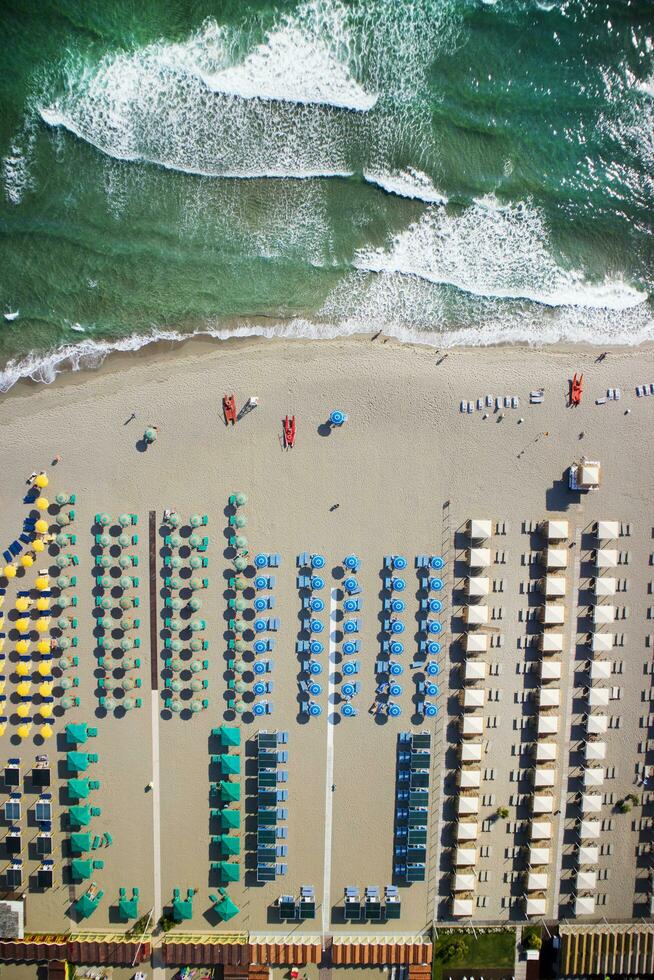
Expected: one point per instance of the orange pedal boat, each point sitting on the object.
(576, 389)
(289, 432)
(229, 409)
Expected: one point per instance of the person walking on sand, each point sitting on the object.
(57, 459)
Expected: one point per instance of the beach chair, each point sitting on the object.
(273, 623)
(204, 544)
(273, 560)
(303, 560)
(282, 812)
(281, 833)
(281, 869)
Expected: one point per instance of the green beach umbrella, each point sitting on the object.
(128, 703)
(61, 561)
(196, 706)
(80, 842)
(195, 562)
(240, 645)
(230, 764)
(175, 706)
(79, 816)
(239, 708)
(66, 703)
(128, 908)
(182, 909)
(63, 642)
(129, 683)
(106, 603)
(78, 789)
(86, 906)
(176, 624)
(230, 845)
(195, 644)
(175, 540)
(229, 871)
(61, 540)
(104, 561)
(111, 683)
(240, 520)
(177, 664)
(106, 622)
(105, 540)
(239, 626)
(229, 735)
(64, 601)
(196, 520)
(240, 584)
(176, 685)
(175, 582)
(65, 683)
(195, 540)
(104, 520)
(196, 684)
(197, 625)
(230, 792)
(63, 623)
(241, 541)
(196, 583)
(64, 663)
(106, 581)
(63, 582)
(176, 604)
(241, 687)
(76, 733)
(125, 520)
(80, 868)
(125, 582)
(230, 819)
(150, 434)
(177, 646)
(241, 498)
(125, 602)
(124, 540)
(176, 562)
(174, 520)
(125, 561)
(196, 666)
(240, 563)
(226, 909)
(241, 605)
(127, 623)
(195, 603)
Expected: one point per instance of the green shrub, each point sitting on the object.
(531, 939)
(502, 812)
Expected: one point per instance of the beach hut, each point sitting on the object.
(224, 907)
(556, 530)
(604, 585)
(230, 792)
(544, 778)
(465, 857)
(467, 806)
(549, 697)
(229, 871)
(476, 615)
(479, 557)
(601, 642)
(463, 882)
(87, 904)
(589, 829)
(475, 670)
(230, 845)
(472, 697)
(595, 751)
(598, 697)
(230, 765)
(535, 907)
(478, 586)
(587, 880)
(588, 854)
(603, 615)
(585, 905)
(597, 724)
(539, 856)
(607, 530)
(594, 777)
(591, 803)
(475, 642)
(537, 881)
(606, 558)
(550, 670)
(467, 830)
(471, 752)
(472, 725)
(469, 778)
(230, 819)
(462, 908)
(556, 558)
(542, 803)
(547, 724)
(479, 530)
(600, 670)
(551, 642)
(552, 614)
(541, 830)
(229, 735)
(553, 586)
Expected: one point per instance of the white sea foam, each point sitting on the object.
(646, 87)
(409, 183)
(16, 173)
(501, 252)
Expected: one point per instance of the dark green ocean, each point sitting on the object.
(452, 171)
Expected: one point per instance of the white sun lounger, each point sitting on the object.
(646, 389)
(489, 401)
(514, 402)
(480, 404)
(507, 401)
(639, 391)
(651, 388)
(470, 407)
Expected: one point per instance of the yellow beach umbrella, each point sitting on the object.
(46, 731)
(43, 624)
(45, 689)
(2, 685)
(41, 526)
(42, 583)
(3, 725)
(41, 481)
(38, 545)
(45, 668)
(23, 669)
(43, 646)
(9, 571)
(22, 603)
(43, 603)
(42, 503)
(22, 646)
(26, 561)
(23, 731)
(45, 710)
(24, 709)
(22, 625)
(23, 689)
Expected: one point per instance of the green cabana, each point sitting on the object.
(229, 735)
(79, 816)
(76, 734)
(128, 908)
(230, 819)
(230, 792)
(230, 844)
(225, 908)
(87, 904)
(81, 869)
(229, 870)
(230, 765)
(79, 843)
(78, 789)
(77, 761)
(182, 909)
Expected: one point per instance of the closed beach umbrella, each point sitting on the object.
(45, 669)
(43, 603)
(41, 526)
(62, 560)
(61, 499)
(196, 706)
(63, 643)
(195, 540)
(104, 561)
(23, 669)
(23, 731)
(195, 562)
(176, 685)
(177, 645)
(24, 709)
(63, 581)
(240, 563)
(241, 541)
(195, 603)
(125, 520)
(196, 666)
(125, 582)
(42, 625)
(128, 703)
(45, 731)
(44, 647)
(150, 434)
(175, 541)
(123, 540)
(41, 503)
(196, 520)
(23, 646)
(240, 498)
(125, 602)
(45, 710)
(41, 481)
(27, 561)
(22, 603)
(126, 643)
(38, 545)
(67, 702)
(104, 520)
(129, 683)
(195, 644)
(240, 667)
(9, 571)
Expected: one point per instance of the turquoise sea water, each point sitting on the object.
(448, 170)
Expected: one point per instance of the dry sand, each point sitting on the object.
(406, 471)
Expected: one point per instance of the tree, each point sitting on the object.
(455, 948)
(503, 812)
(532, 940)
(625, 805)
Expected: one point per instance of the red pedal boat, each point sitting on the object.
(576, 389)
(229, 409)
(289, 432)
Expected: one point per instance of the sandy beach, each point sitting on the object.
(403, 476)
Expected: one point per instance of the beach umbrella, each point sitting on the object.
(150, 434)
(125, 602)
(239, 708)
(196, 520)
(195, 644)
(175, 541)
(196, 666)
(240, 645)
(126, 643)
(196, 684)
(63, 582)
(106, 602)
(174, 520)
(109, 703)
(23, 646)
(41, 526)
(196, 706)
(241, 605)
(45, 669)
(27, 561)
(64, 601)
(177, 664)
(240, 564)
(67, 702)
(45, 731)
(128, 703)
(240, 584)
(43, 603)
(23, 669)
(176, 582)
(65, 683)
(196, 583)
(61, 540)
(126, 623)
(240, 520)
(104, 561)
(62, 560)
(199, 624)
(23, 689)
(41, 481)
(42, 624)
(176, 685)
(195, 561)
(176, 624)
(22, 603)
(42, 583)
(9, 571)
(63, 623)
(63, 643)
(24, 709)
(195, 541)
(241, 687)
(125, 561)
(64, 519)
(177, 645)
(125, 582)
(23, 731)
(111, 683)
(64, 663)
(176, 562)
(176, 604)
(124, 540)
(22, 625)
(175, 706)
(41, 503)
(125, 520)
(240, 667)
(240, 498)
(129, 683)
(38, 545)
(45, 689)
(104, 520)
(45, 710)
(44, 647)
(241, 541)
(61, 499)
(195, 603)
(106, 622)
